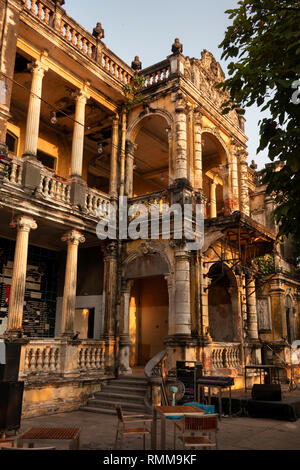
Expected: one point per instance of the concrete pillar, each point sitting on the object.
(130, 148)
(182, 292)
(172, 305)
(81, 98)
(252, 310)
(213, 199)
(244, 190)
(73, 238)
(15, 312)
(198, 177)
(181, 138)
(113, 182)
(9, 21)
(38, 70)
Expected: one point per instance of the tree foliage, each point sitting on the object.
(263, 43)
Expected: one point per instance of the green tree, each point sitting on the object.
(263, 43)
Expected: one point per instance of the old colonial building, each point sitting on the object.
(71, 142)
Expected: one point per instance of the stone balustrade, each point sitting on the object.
(225, 355)
(91, 356)
(54, 187)
(142, 204)
(157, 73)
(80, 38)
(97, 203)
(40, 9)
(12, 168)
(43, 357)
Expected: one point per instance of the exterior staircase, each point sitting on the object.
(127, 391)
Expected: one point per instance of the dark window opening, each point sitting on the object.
(98, 182)
(11, 142)
(47, 160)
(91, 322)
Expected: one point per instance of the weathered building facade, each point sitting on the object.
(86, 309)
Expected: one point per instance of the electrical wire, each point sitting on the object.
(44, 101)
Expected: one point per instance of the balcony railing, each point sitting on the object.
(41, 358)
(80, 38)
(157, 73)
(225, 355)
(54, 187)
(142, 204)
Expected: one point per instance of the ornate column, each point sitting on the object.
(181, 137)
(9, 20)
(244, 190)
(171, 291)
(252, 311)
(125, 343)
(15, 312)
(235, 183)
(122, 154)
(213, 199)
(198, 181)
(73, 238)
(38, 70)
(110, 290)
(182, 291)
(113, 182)
(81, 98)
(130, 148)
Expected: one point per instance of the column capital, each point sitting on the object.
(24, 224)
(110, 250)
(73, 237)
(39, 67)
(131, 147)
(82, 94)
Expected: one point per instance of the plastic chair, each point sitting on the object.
(123, 420)
(196, 431)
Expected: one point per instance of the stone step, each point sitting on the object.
(124, 389)
(108, 411)
(134, 378)
(130, 383)
(96, 403)
(103, 395)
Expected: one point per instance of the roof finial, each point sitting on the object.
(177, 47)
(98, 31)
(136, 64)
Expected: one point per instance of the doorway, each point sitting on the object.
(148, 318)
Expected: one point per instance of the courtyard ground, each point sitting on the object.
(98, 432)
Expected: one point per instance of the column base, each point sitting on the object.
(13, 334)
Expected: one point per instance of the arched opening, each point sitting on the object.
(148, 318)
(223, 305)
(214, 161)
(148, 306)
(151, 166)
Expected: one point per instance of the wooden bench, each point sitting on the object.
(51, 434)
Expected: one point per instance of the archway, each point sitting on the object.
(148, 305)
(223, 305)
(151, 165)
(215, 174)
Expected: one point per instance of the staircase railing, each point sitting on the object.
(155, 373)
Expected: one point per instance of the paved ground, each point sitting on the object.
(98, 432)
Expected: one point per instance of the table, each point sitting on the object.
(51, 434)
(165, 412)
(219, 383)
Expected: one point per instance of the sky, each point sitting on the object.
(148, 29)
